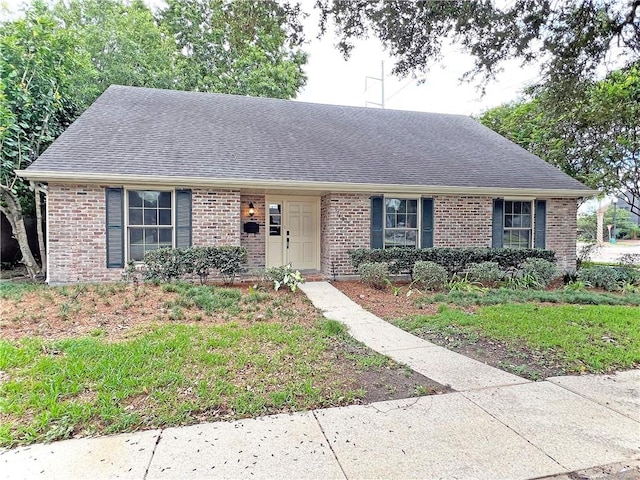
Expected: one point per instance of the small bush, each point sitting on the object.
(429, 275)
(485, 272)
(284, 275)
(600, 276)
(542, 270)
(375, 275)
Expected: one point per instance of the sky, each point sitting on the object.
(334, 80)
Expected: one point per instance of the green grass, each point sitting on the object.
(15, 290)
(169, 375)
(505, 295)
(586, 337)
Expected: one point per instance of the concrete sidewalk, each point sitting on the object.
(495, 426)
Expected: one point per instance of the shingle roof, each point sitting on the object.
(141, 131)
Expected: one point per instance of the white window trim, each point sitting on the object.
(127, 245)
(418, 228)
(532, 228)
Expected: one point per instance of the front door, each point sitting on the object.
(293, 233)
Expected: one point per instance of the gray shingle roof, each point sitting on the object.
(140, 131)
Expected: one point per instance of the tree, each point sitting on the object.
(124, 42)
(593, 136)
(572, 38)
(625, 228)
(236, 46)
(41, 73)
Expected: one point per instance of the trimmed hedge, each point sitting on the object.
(455, 260)
(168, 264)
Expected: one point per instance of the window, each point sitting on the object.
(150, 222)
(401, 222)
(275, 219)
(517, 224)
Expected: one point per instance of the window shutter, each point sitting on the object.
(377, 222)
(426, 239)
(541, 224)
(498, 223)
(115, 227)
(183, 219)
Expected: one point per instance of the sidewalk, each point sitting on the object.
(495, 426)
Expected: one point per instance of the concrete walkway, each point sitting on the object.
(496, 426)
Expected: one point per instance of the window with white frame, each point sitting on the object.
(518, 224)
(401, 222)
(149, 222)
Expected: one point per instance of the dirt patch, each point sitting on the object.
(514, 358)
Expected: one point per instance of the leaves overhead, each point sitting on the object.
(572, 38)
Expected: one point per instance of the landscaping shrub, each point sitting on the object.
(169, 264)
(284, 275)
(375, 275)
(600, 276)
(485, 272)
(455, 260)
(542, 270)
(429, 275)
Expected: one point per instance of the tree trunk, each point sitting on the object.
(37, 190)
(10, 206)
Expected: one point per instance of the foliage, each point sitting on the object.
(374, 274)
(238, 47)
(429, 275)
(602, 276)
(591, 133)
(485, 272)
(625, 228)
(170, 264)
(542, 270)
(124, 41)
(455, 260)
(459, 283)
(284, 276)
(573, 37)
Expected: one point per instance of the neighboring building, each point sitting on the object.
(145, 168)
(625, 205)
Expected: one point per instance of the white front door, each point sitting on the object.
(293, 233)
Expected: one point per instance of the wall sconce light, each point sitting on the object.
(252, 211)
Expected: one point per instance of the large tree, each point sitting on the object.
(572, 38)
(593, 136)
(237, 46)
(42, 72)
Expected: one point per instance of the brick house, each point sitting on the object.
(291, 181)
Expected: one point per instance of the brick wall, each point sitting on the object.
(561, 231)
(254, 242)
(77, 238)
(345, 219)
(215, 219)
(462, 221)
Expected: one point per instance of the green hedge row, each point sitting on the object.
(167, 264)
(455, 260)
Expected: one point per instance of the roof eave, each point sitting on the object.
(288, 185)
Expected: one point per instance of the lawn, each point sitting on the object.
(100, 359)
(532, 333)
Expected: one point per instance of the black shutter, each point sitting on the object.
(426, 239)
(183, 219)
(115, 227)
(541, 224)
(377, 222)
(498, 223)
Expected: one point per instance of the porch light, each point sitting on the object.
(251, 210)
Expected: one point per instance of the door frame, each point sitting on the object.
(283, 199)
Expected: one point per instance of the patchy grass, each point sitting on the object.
(100, 359)
(584, 338)
(505, 295)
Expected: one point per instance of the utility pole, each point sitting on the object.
(381, 80)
